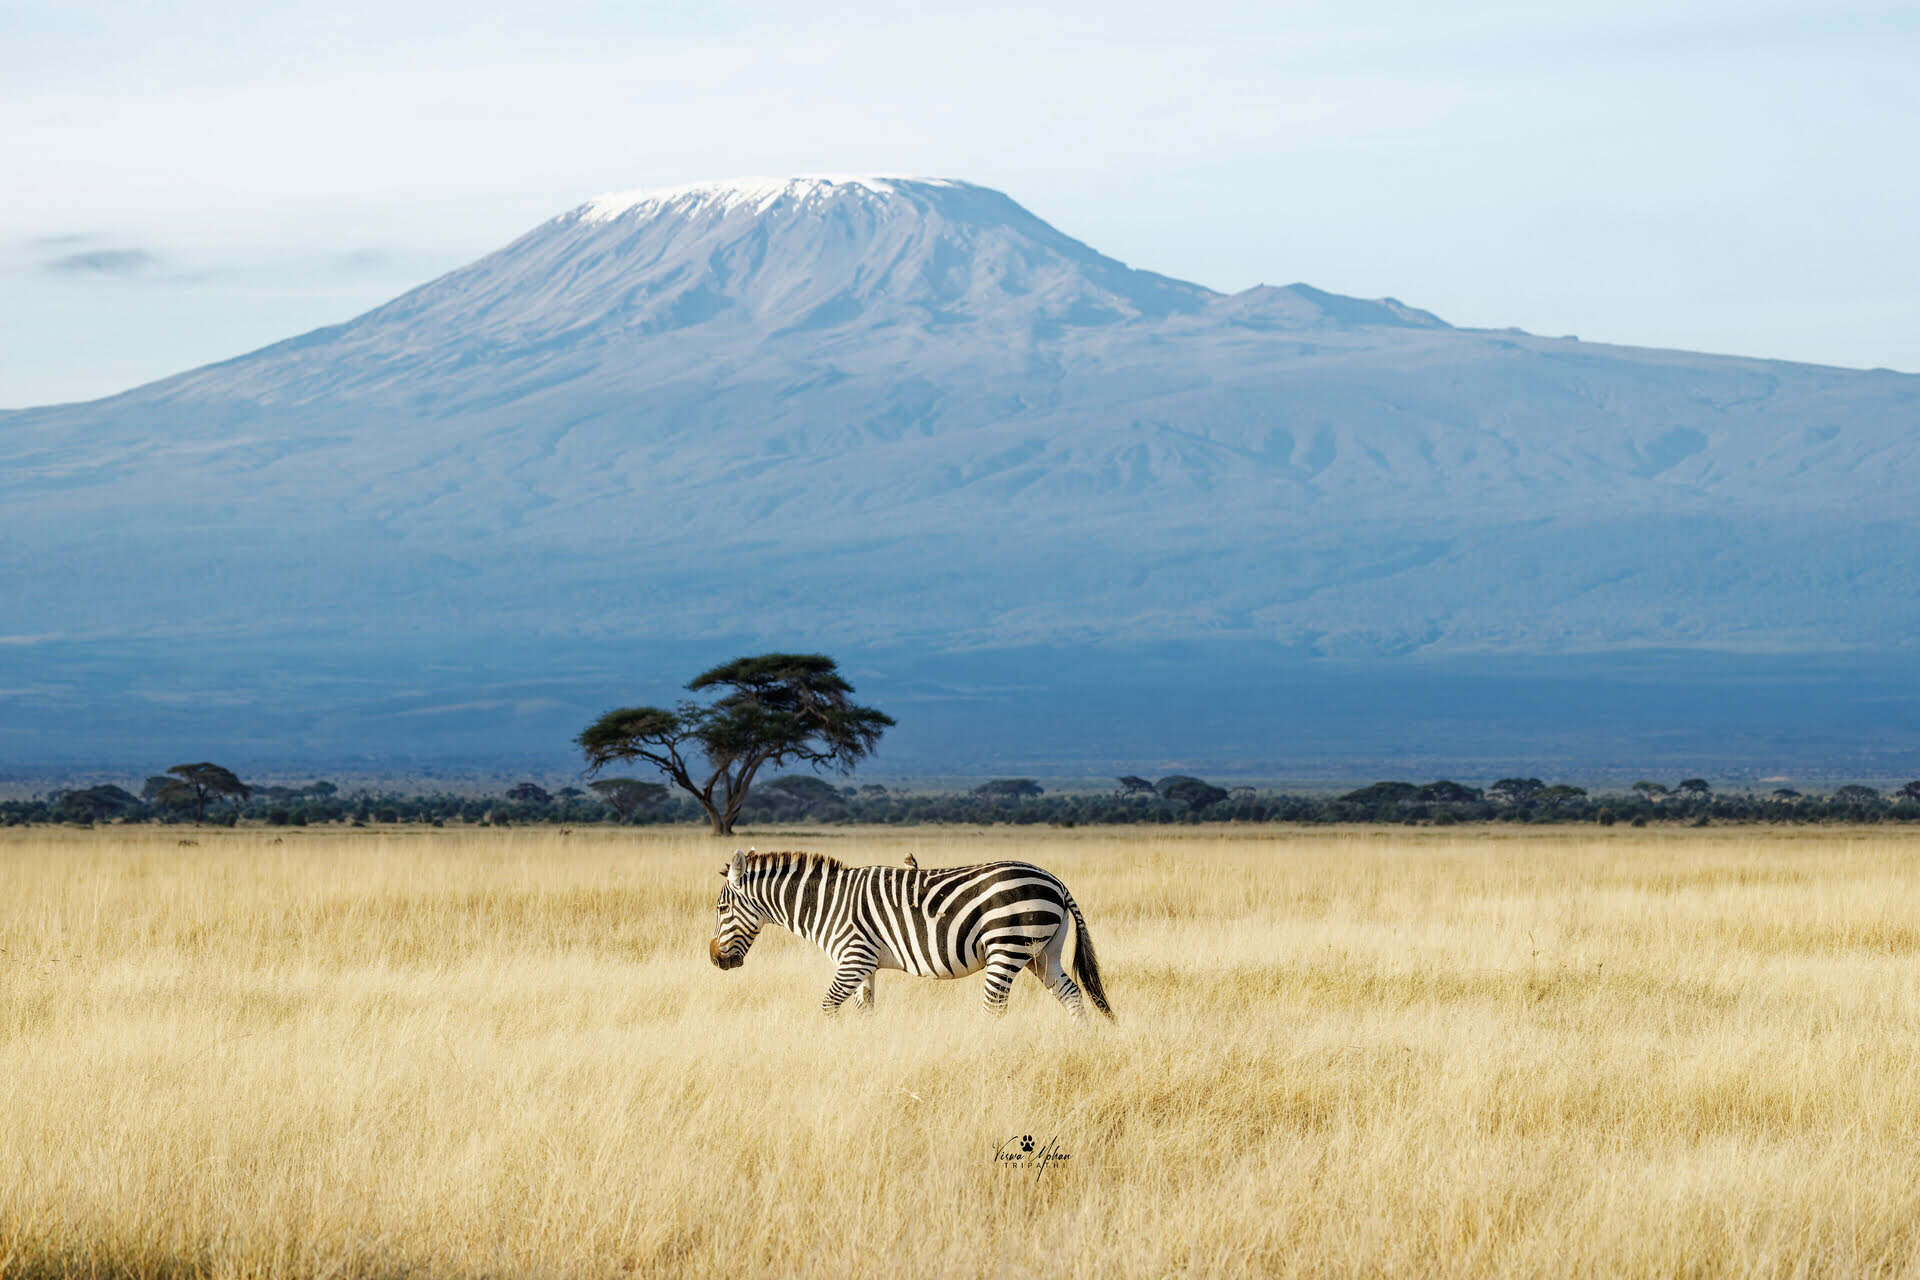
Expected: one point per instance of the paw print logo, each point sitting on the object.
(1026, 1143)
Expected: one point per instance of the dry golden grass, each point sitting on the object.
(1461, 1053)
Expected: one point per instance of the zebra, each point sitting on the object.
(941, 922)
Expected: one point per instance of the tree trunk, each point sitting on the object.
(736, 798)
(722, 822)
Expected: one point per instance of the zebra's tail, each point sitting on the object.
(1086, 967)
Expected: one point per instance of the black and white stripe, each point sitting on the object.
(938, 923)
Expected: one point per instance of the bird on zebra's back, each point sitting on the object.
(942, 922)
(913, 862)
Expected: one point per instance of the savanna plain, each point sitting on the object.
(1448, 1051)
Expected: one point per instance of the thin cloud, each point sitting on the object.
(363, 260)
(101, 262)
(82, 255)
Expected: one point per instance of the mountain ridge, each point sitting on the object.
(905, 412)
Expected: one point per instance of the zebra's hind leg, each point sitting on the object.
(1052, 973)
(863, 996)
(1002, 969)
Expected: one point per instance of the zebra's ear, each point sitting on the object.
(739, 863)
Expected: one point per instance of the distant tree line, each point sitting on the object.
(779, 710)
(200, 794)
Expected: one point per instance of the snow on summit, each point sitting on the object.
(757, 194)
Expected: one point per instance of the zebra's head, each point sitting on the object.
(736, 918)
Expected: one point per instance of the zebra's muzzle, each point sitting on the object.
(721, 959)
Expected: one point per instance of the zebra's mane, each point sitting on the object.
(790, 859)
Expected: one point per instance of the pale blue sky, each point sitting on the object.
(190, 180)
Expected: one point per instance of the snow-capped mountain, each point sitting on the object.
(866, 413)
(739, 262)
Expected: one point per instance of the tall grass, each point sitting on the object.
(1447, 1052)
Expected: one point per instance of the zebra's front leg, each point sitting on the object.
(1002, 969)
(863, 998)
(855, 973)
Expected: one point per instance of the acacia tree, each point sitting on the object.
(95, 804)
(194, 784)
(776, 709)
(1516, 790)
(1197, 794)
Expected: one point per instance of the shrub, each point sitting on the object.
(1009, 789)
(1445, 792)
(1376, 794)
(1192, 792)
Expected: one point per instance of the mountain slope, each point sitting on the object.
(872, 413)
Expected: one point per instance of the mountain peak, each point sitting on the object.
(756, 269)
(775, 256)
(756, 194)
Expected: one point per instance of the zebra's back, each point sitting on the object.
(943, 922)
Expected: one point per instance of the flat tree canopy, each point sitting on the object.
(194, 784)
(1009, 789)
(1514, 790)
(777, 708)
(1195, 793)
(95, 804)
